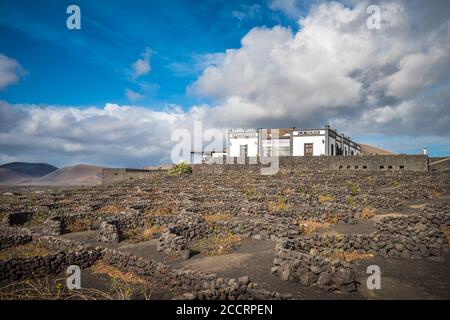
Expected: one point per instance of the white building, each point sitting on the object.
(290, 142)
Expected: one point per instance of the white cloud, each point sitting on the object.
(112, 135)
(335, 68)
(133, 96)
(288, 7)
(392, 82)
(142, 66)
(247, 11)
(10, 71)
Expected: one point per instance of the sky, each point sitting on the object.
(113, 92)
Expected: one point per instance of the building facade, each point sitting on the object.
(290, 142)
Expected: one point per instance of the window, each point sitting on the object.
(381, 167)
(357, 167)
(308, 149)
(402, 167)
(389, 167)
(364, 167)
(341, 167)
(332, 149)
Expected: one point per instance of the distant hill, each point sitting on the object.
(17, 172)
(370, 150)
(81, 174)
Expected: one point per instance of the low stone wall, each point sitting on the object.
(16, 218)
(298, 262)
(54, 226)
(108, 232)
(319, 260)
(15, 269)
(322, 163)
(10, 237)
(173, 245)
(110, 176)
(267, 227)
(190, 284)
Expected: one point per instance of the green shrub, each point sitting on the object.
(179, 169)
(354, 189)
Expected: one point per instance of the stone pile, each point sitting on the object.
(108, 232)
(54, 226)
(173, 245)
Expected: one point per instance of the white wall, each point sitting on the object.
(236, 143)
(283, 147)
(298, 147)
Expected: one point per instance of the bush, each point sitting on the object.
(179, 169)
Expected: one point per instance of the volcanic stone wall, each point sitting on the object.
(323, 163)
(110, 176)
(295, 260)
(193, 285)
(10, 237)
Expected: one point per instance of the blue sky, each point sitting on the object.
(89, 66)
(115, 91)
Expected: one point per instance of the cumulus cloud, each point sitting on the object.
(142, 66)
(113, 135)
(334, 69)
(10, 71)
(392, 82)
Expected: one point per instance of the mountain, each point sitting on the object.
(371, 150)
(17, 172)
(81, 174)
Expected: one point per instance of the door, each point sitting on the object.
(308, 149)
(244, 151)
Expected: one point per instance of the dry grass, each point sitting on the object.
(123, 283)
(308, 227)
(212, 218)
(145, 233)
(36, 218)
(250, 193)
(278, 204)
(79, 225)
(24, 251)
(159, 212)
(326, 198)
(48, 289)
(217, 245)
(366, 213)
(436, 193)
(349, 256)
(111, 209)
(123, 287)
(333, 217)
(114, 273)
